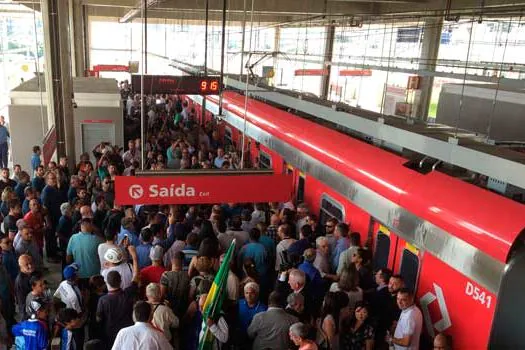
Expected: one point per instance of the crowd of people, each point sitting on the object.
(137, 277)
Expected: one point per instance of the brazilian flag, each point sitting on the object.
(212, 306)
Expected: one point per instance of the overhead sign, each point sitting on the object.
(130, 190)
(173, 84)
(355, 73)
(311, 72)
(110, 68)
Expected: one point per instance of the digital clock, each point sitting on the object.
(173, 84)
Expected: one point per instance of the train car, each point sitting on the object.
(460, 247)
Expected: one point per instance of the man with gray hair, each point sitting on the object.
(299, 336)
(163, 317)
(295, 307)
(248, 307)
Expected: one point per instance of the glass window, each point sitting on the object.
(265, 160)
(300, 189)
(382, 251)
(330, 208)
(409, 268)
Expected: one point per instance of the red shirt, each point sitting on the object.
(36, 222)
(152, 274)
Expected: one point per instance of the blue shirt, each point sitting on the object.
(316, 285)
(19, 189)
(298, 247)
(67, 341)
(341, 245)
(50, 198)
(133, 238)
(84, 249)
(34, 333)
(35, 161)
(247, 313)
(10, 261)
(38, 183)
(71, 194)
(257, 252)
(143, 250)
(4, 134)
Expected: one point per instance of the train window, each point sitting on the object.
(330, 208)
(382, 251)
(409, 268)
(228, 136)
(300, 190)
(265, 160)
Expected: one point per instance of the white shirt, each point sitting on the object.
(281, 247)
(141, 336)
(126, 274)
(410, 323)
(69, 295)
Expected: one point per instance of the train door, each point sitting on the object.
(407, 263)
(384, 247)
(299, 182)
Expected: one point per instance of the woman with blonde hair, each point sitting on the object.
(349, 284)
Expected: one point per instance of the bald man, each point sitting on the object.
(22, 281)
(442, 342)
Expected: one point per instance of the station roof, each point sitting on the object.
(282, 11)
(80, 85)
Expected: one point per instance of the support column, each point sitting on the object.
(428, 58)
(76, 25)
(328, 54)
(276, 48)
(59, 83)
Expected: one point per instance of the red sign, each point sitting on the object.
(204, 189)
(355, 73)
(311, 72)
(50, 145)
(110, 68)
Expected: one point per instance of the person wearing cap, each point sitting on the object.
(34, 331)
(83, 250)
(115, 262)
(153, 273)
(114, 310)
(68, 291)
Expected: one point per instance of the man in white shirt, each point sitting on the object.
(410, 323)
(142, 335)
(115, 262)
(68, 291)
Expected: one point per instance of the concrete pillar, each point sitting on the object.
(428, 58)
(328, 54)
(78, 49)
(59, 83)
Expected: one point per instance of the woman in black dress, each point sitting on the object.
(357, 333)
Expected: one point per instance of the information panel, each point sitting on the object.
(130, 190)
(173, 84)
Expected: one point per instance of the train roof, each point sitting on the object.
(483, 219)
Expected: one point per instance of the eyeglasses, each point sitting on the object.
(329, 226)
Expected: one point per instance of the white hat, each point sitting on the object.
(114, 255)
(156, 253)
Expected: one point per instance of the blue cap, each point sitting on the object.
(70, 271)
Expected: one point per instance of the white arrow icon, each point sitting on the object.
(425, 301)
(136, 191)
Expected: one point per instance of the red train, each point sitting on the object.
(459, 246)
